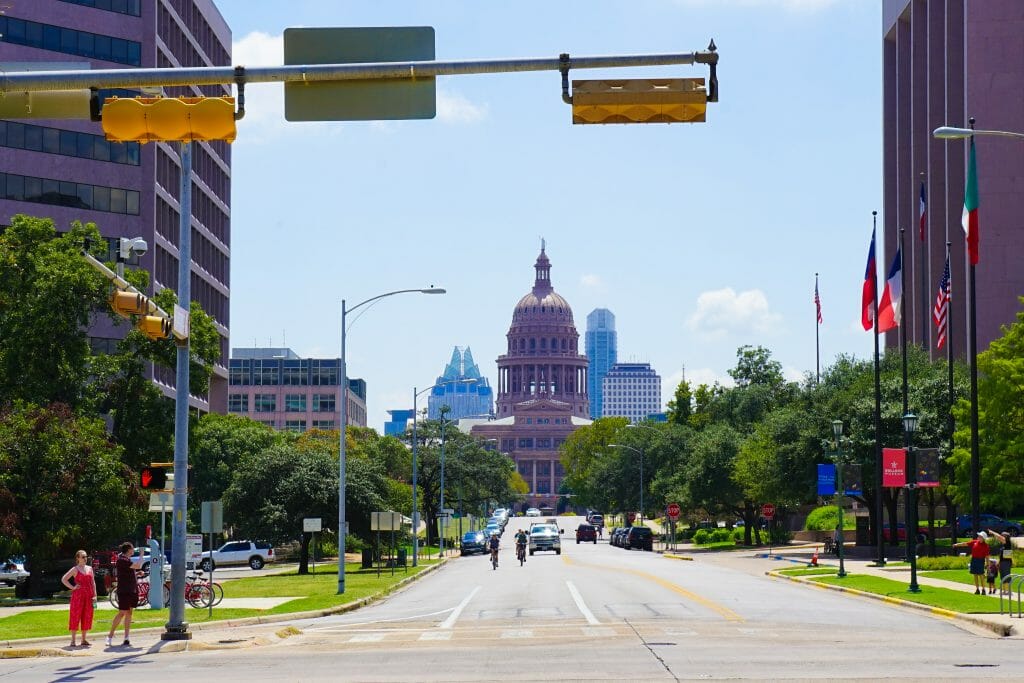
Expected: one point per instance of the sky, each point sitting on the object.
(700, 238)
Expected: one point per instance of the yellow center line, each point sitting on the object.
(724, 611)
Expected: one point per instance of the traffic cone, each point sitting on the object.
(814, 557)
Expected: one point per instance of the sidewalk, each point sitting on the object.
(792, 556)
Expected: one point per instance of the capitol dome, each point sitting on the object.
(542, 304)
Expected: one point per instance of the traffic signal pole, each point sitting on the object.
(176, 627)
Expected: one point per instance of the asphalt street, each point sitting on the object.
(592, 613)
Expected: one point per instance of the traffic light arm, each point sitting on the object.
(122, 285)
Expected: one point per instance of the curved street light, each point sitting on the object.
(954, 133)
(343, 398)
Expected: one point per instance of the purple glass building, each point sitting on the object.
(67, 171)
(944, 62)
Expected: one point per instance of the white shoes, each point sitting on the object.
(106, 641)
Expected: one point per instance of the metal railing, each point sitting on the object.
(1011, 579)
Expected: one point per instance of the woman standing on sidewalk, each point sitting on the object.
(127, 592)
(83, 598)
(979, 551)
(1005, 556)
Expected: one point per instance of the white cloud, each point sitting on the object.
(591, 280)
(723, 311)
(791, 374)
(699, 376)
(454, 108)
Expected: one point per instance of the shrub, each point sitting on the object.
(701, 537)
(737, 534)
(685, 534)
(825, 519)
(354, 544)
(721, 535)
(945, 562)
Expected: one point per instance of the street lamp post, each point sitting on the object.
(444, 410)
(343, 399)
(909, 427)
(837, 432)
(640, 452)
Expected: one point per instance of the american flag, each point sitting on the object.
(817, 300)
(942, 307)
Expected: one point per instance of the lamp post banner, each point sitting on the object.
(894, 467)
(826, 479)
(853, 483)
(927, 467)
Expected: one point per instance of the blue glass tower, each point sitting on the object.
(462, 388)
(603, 352)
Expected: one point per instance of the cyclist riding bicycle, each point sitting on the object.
(493, 544)
(521, 539)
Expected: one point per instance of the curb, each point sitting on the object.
(10, 649)
(1002, 630)
(677, 557)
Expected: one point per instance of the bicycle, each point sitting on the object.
(216, 589)
(143, 591)
(494, 558)
(521, 553)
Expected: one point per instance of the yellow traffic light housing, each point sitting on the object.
(145, 119)
(154, 326)
(644, 100)
(129, 303)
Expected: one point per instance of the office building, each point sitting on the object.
(278, 388)
(399, 422)
(945, 61)
(66, 170)
(602, 352)
(462, 388)
(632, 390)
(542, 389)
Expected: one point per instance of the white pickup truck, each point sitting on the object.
(545, 537)
(253, 553)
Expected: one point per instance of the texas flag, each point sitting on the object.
(892, 297)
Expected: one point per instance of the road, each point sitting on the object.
(594, 613)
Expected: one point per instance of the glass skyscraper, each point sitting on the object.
(603, 351)
(462, 388)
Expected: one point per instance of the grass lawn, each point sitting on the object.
(720, 545)
(957, 575)
(946, 598)
(809, 571)
(312, 592)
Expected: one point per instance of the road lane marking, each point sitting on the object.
(593, 631)
(436, 635)
(724, 611)
(450, 621)
(346, 624)
(591, 619)
(517, 633)
(366, 638)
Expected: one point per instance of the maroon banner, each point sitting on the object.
(894, 467)
(927, 467)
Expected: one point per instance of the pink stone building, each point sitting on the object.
(542, 389)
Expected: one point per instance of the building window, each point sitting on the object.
(238, 375)
(265, 403)
(525, 443)
(529, 421)
(546, 443)
(544, 486)
(295, 425)
(295, 403)
(508, 444)
(70, 41)
(323, 424)
(324, 373)
(238, 403)
(67, 142)
(324, 403)
(63, 193)
(130, 7)
(265, 373)
(295, 373)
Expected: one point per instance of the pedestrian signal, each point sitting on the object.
(145, 119)
(153, 477)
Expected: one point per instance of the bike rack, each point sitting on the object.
(1011, 579)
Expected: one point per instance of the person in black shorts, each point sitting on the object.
(127, 592)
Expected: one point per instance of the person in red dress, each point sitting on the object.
(83, 598)
(127, 592)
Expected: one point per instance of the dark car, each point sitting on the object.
(617, 535)
(586, 532)
(638, 537)
(965, 525)
(474, 542)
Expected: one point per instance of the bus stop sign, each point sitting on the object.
(360, 100)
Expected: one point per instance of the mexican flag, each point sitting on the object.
(970, 216)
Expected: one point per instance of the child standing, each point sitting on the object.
(991, 572)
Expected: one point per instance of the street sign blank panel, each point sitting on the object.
(360, 100)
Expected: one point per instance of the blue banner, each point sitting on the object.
(826, 480)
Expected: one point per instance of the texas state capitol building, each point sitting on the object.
(542, 389)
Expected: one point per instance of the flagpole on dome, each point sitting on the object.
(879, 507)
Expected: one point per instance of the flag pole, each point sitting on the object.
(906, 399)
(972, 353)
(924, 267)
(951, 421)
(817, 340)
(880, 508)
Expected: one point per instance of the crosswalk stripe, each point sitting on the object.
(436, 635)
(517, 633)
(366, 638)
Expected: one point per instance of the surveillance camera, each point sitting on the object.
(139, 246)
(134, 245)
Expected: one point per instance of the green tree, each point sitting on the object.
(584, 456)
(680, 408)
(274, 489)
(1000, 425)
(62, 485)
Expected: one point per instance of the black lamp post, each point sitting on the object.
(837, 431)
(909, 427)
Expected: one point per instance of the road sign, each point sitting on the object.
(360, 100)
(211, 517)
(768, 510)
(386, 521)
(673, 511)
(193, 550)
(311, 524)
(161, 501)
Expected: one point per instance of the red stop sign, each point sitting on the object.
(673, 510)
(768, 510)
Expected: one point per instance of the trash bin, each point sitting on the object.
(401, 557)
(367, 558)
(863, 534)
